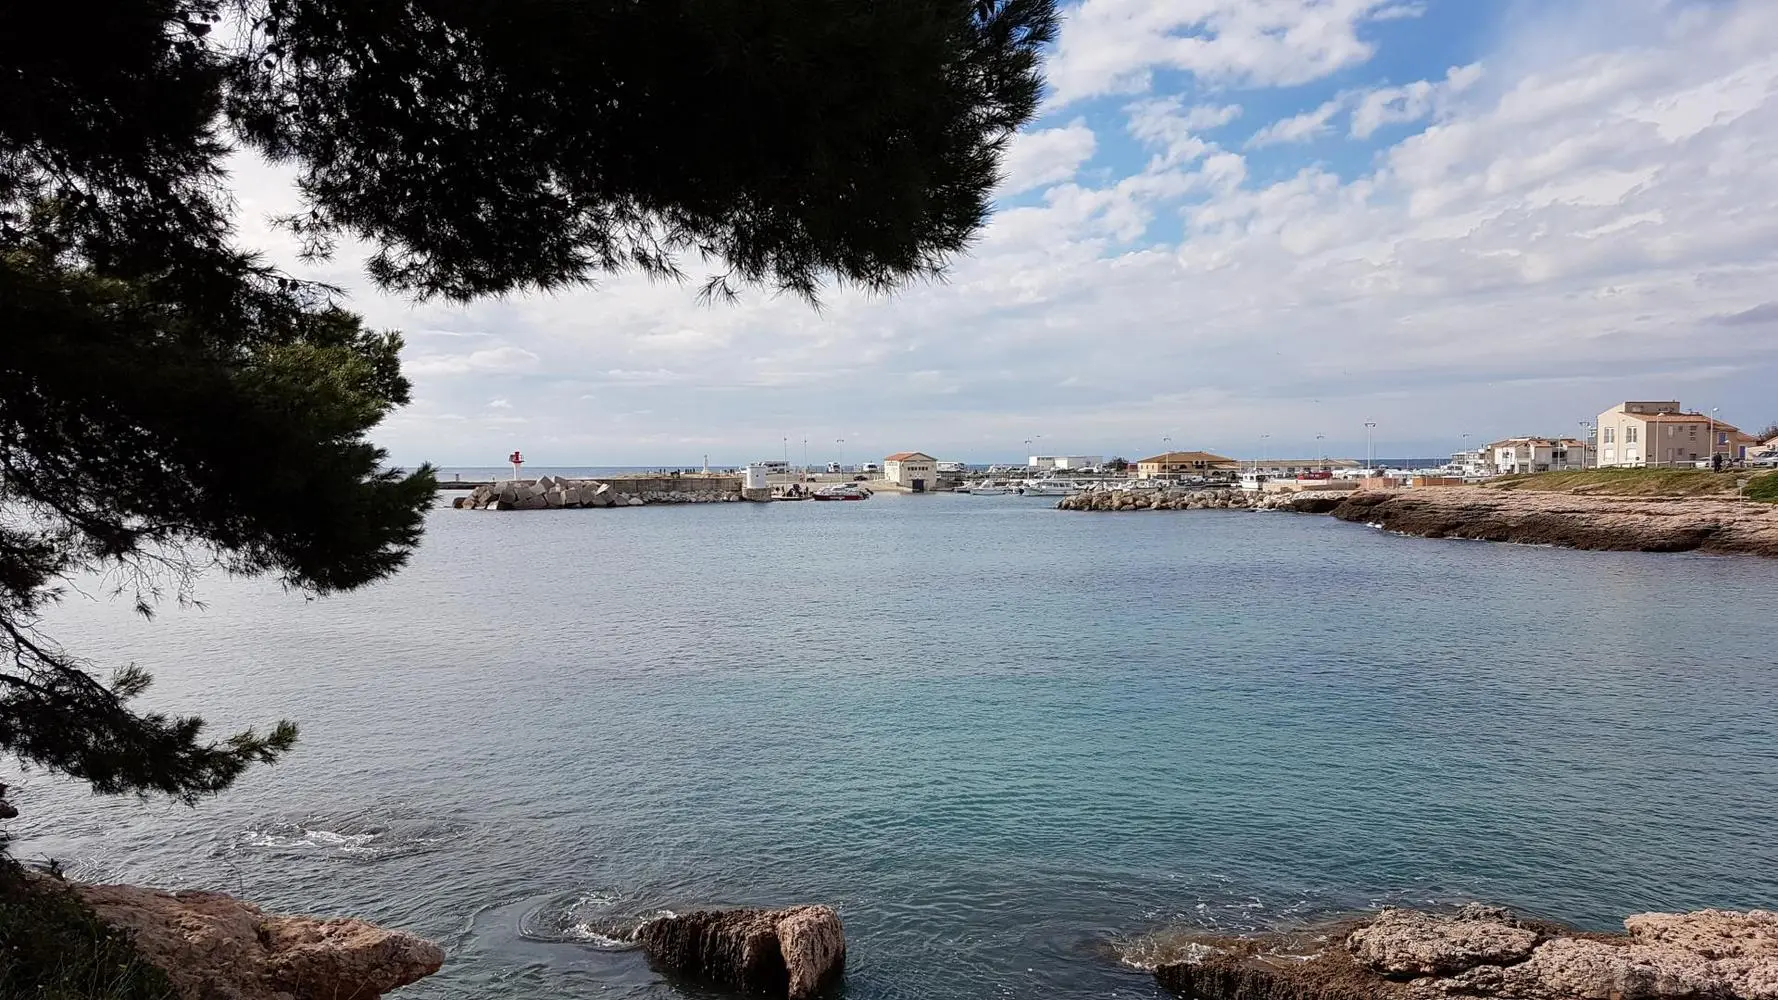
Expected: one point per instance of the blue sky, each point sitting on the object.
(1233, 218)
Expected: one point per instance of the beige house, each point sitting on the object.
(1181, 464)
(914, 470)
(1645, 433)
(1534, 454)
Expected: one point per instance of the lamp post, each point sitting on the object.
(842, 462)
(1370, 449)
(1263, 455)
(1586, 436)
(1323, 449)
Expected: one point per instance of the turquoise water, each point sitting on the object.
(998, 737)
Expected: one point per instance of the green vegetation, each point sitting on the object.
(52, 947)
(1763, 487)
(169, 403)
(1625, 482)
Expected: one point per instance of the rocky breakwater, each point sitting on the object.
(215, 947)
(1176, 499)
(794, 953)
(556, 493)
(1572, 520)
(1484, 951)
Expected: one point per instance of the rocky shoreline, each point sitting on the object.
(212, 946)
(1179, 499)
(1482, 951)
(1710, 524)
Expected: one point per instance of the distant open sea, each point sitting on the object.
(1000, 738)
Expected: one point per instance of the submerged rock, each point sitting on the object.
(215, 947)
(1487, 952)
(792, 953)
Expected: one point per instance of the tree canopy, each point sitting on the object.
(169, 402)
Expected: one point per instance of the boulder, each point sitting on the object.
(601, 496)
(555, 498)
(215, 947)
(1413, 943)
(792, 953)
(531, 502)
(634, 502)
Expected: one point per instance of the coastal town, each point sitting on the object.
(1634, 434)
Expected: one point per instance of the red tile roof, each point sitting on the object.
(909, 456)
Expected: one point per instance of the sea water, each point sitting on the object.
(1003, 740)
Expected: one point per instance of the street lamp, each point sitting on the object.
(1370, 450)
(842, 443)
(1262, 450)
(1323, 449)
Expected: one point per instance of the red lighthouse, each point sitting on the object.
(517, 459)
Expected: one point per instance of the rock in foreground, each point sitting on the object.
(792, 953)
(1485, 951)
(215, 947)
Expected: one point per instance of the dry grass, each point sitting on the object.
(1763, 487)
(1627, 482)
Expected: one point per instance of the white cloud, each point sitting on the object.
(499, 404)
(1048, 156)
(1397, 105)
(1114, 46)
(493, 360)
(1169, 126)
(1299, 128)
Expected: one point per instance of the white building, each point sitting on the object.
(914, 470)
(1475, 462)
(1533, 454)
(1065, 461)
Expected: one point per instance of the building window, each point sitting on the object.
(1610, 435)
(1630, 435)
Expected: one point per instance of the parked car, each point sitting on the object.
(1764, 458)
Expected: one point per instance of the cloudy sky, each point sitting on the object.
(1238, 225)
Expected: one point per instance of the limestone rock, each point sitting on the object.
(1581, 969)
(792, 953)
(635, 502)
(602, 496)
(1711, 933)
(215, 947)
(1413, 943)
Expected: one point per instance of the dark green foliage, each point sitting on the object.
(52, 947)
(787, 140)
(170, 403)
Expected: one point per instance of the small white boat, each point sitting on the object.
(1253, 481)
(989, 489)
(1051, 487)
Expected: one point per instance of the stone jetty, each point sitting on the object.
(557, 493)
(1179, 499)
(793, 953)
(1480, 951)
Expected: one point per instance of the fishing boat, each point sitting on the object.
(847, 492)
